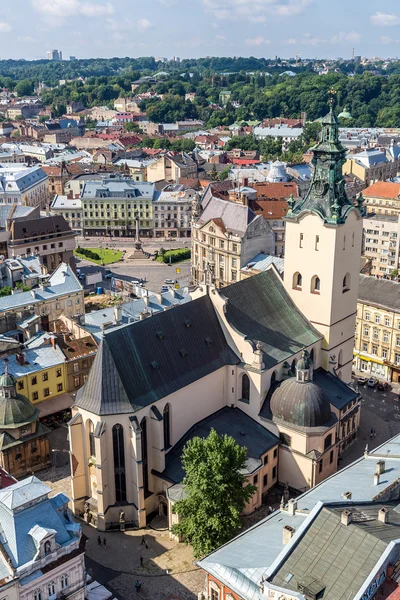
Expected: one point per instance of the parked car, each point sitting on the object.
(372, 382)
(362, 380)
(169, 281)
(81, 276)
(383, 386)
(164, 288)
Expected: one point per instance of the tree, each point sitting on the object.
(216, 492)
(224, 174)
(214, 174)
(132, 127)
(24, 88)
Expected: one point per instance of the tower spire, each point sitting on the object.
(326, 195)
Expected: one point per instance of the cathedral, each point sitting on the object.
(265, 360)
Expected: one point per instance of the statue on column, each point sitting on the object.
(138, 243)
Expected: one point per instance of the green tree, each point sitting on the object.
(24, 88)
(224, 174)
(132, 127)
(214, 174)
(216, 492)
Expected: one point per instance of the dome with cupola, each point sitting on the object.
(15, 409)
(345, 114)
(300, 401)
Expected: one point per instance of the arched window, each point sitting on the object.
(143, 427)
(51, 588)
(315, 284)
(328, 441)
(297, 281)
(37, 595)
(273, 378)
(47, 547)
(245, 388)
(167, 426)
(90, 431)
(346, 283)
(119, 462)
(293, 366)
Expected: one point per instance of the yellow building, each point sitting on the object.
(377, 340)
(40, 372)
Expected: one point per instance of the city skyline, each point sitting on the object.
(261, 28)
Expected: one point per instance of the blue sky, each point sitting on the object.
(194, 28)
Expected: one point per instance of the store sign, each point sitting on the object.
(374, 586)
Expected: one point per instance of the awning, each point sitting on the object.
(50, 407)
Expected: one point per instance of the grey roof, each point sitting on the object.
(380, 292)
(18, 518)
(38, 227)
(226, 421)
(117, 188)
(235, 217)
(141, 363)
(338, 392)
(260, 308)
(19, 212)
(336, 557)
(262, 262)
(62, 282)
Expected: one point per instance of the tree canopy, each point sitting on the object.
(216, 492)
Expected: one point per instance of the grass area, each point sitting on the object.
(106, 256)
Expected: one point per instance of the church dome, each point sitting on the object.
(277, 172)
(7, 380)
(16, 411)
(301, 403)
(345, 114)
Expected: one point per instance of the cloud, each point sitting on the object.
(143, 25)
(384, 19)
(5, 27)
(291, 41)
(220, 37)
(61, 9)
(343, 36)
(257, 41)
(254, 11)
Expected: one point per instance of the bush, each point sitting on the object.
(175, 255)
(88, 253)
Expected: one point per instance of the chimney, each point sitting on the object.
(380, 467)
(345, 517)
(347, 495)
(258, 358)
(383, 515)
(288, 533)
(20, 358)
(292, 506)
(117, 314)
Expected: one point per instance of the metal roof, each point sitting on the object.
(260, 308)
(226, 421)
(380, 292)
(128, 374)
(236, 217)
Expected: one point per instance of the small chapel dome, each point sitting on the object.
(15, 409)
(345, 114)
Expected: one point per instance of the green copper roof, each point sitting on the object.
(16, 411)
(7, 380)
(326, 196)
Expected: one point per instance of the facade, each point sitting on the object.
(244, 352)
(372, 165)
(377, 342)
(70, 208)
(172, 166)
(49, 237)
(61, 294)
(113, 206)
(172, 212)
(24, 446)
(59, 175)
(383, 198)
(23, 185)
(225, 236)
(381, 241)
(42, 547)
(338, 541)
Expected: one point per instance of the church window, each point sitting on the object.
(328, 441)
(119, 462)
(245, 388)
(331, 457)
(315, 284)
(346, 283)
(320, 466)
(167, 426)
(297, 281)
(143, 427)
(301, 240)
(317, 242)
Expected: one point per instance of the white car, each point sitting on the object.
(169, 281)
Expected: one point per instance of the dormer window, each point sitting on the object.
(47, 547)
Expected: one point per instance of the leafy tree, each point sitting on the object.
(224, 174)
(216, 492)
(24, 88)
(132, 127)
(213, 173)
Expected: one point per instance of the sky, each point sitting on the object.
(196, 28)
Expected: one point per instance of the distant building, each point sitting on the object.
(70, 208)
(55, 55)
(383, 198)
(372, 165)
(59, 175)
(381, 243)
(172, 212)
(22, 185)
(172, 166)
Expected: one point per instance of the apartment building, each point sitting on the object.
(377, 340)
(112, 207)
(172, 166)
(383, 198)
(172, 211)
(372, 165)
(70, 208)
(381, 243)
(23, 185)
(50, 238)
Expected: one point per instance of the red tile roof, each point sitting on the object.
(275, 191)
(383, 189)
(269, 209)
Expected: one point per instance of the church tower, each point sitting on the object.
(322, 252)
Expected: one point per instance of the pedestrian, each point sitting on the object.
(372, 433)
(141, 561)
(138, 585)
(99, 540)
(142, 543)
(104, 542)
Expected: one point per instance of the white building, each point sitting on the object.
(172, 211)
(42, 547)
(70, 209)
(24, 185)
(381, 243)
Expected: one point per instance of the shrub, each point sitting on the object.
(175, 255)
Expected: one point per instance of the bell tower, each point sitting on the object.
(322, 252)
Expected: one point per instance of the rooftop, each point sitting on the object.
(379, 292)
(383, 189)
